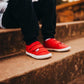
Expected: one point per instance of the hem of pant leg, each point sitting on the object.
(30, 41)
(44, 38)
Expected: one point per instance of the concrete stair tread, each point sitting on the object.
(68, 4)
(9, 30)
(69, 23)
(22, 64)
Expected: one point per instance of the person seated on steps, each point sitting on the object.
(25, 14)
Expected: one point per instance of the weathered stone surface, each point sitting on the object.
(69, 31)
(79, 80)
(60, 69)
(65, 16)
(10, 42)
(70, 12)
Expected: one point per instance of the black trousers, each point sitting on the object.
(25, 15)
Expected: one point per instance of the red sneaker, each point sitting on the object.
(53, 44)
(36, 50)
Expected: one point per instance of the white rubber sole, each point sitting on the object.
(60, 50)
(39, 56)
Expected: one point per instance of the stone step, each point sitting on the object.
(62, 68)
(69, 30)
(11, 42)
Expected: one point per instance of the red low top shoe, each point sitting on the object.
(37, 50)
(53, 44)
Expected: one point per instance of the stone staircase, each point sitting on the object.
(62, 68)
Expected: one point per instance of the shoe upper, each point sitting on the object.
(36, 48)
(55, 44)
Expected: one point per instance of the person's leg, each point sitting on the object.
(8, 21)
(23, 15)
(20, 13)
(46, 12)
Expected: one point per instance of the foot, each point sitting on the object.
(53, 44)
(37, 51)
